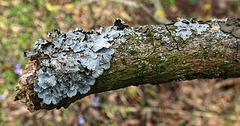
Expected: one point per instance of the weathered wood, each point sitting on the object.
(183, 50)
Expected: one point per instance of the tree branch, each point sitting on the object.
(71, 65)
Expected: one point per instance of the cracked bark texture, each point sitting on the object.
(183, 50)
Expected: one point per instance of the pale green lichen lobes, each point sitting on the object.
(185, 28)
(73, 60)
(182, 50)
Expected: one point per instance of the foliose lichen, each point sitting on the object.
(185, 28)
(72, 61)
(231, 26)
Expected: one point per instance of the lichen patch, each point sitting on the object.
(75, 60)
(185, 28)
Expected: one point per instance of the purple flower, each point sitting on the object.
(96, 101)
(19, 65)
(81, 120)
(2, 96)
(18, 69)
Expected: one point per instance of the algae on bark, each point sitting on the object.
(183, 50)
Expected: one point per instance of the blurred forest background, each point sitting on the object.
(197, 102)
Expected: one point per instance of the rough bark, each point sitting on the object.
(183, 50)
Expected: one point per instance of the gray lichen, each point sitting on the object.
(231, 26)
(73, 61)
(64, 69)
(185, 28)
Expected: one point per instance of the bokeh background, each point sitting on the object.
(197, 102)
